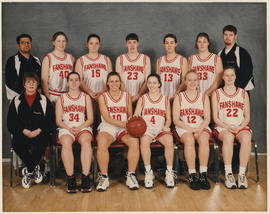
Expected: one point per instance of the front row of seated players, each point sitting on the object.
(191, 116)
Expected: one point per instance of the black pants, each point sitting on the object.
(21, 145)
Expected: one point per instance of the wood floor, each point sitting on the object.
(118, 197)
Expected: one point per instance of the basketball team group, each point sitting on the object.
(87, 101)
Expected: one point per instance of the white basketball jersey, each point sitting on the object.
(154, 112)
(170, 74)
(59, 68)
(191, 111)
(231, 107)
(206, 69)
(117, 109)
(133, 72)
(74, 109)
(95, 72)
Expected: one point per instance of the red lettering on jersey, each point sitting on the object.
(154, 111)
(117, 109)
(170, 69)
(231, 104)
(62, 67)
(191, 111)
(72, 108)
(95, 66)
(133, 68)
(204, 68)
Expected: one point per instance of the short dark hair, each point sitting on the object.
(229, 67)
(73, 72)
(132, 36)
(113, 73)
(55, 35)
(230, 28)
(24, 35)
(93, 35)
(31, 75)
(157, 76)
(202, 34)
(170, 35)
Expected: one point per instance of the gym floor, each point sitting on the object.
(118, 197)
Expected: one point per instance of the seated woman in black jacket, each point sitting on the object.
(30, 121)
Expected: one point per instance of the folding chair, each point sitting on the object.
(213, 146)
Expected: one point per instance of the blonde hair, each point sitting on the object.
(189, 72)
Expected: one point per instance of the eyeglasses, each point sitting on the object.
(25, 43)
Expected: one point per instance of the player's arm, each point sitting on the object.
(176, 115)
(89, 114)
(59, 114)
(206, 113)
(138, 109)
(214, 108)
(217, 82)
(129, 107)
(45, 76)
(246, 112)
(83, 86)
(106, 115)
(183, 73)
(144, 86)
(168, 117)
(118, 69)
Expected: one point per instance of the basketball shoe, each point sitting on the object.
(242, 182)
(103, 183)
(169, 179)
(85, 186)
(131, 181)
(230, 181)
(148, 179)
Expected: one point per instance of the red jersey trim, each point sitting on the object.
(121, 61)
(82, 63)
(172, 60)
(72, 59)
(180, 99)
(154, 101)
(215, 60)
(204, 60)
(181, 62)
(59, 58)
(106, 60)
(74, 99)
(144, 61)
(114, 100)
(158, 64)
(217, 94)
(230, 95)
(62, 101)
(243, 93)
(190, 59)
(143, 102)
(49, 58)
(133, 60)
(91, 59)
(189, 100)
(166, 101)
(61, 92)
(105, 98)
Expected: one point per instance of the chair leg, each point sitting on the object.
(256, 162)
(52, 165)
(11, 167)
(216, 163)
(176, 164)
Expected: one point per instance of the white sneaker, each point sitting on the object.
(38, 177)
(242, 182)
(24, 171)
(103, 183)
(26, 181)
(230, 181)
(148, 179)
(169, 179)
(131, 181)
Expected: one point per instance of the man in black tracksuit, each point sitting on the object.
(30, 120)
(238, 57)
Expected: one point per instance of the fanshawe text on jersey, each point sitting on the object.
(72, 108)
(204, 68)
(231, 104)
(133, 68)
(191, 111)
(117, 109)
(62, 67)
(154, 111)
(170, 69)
(95, 66)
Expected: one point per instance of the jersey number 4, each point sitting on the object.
(232, 114)
(132, 76)
(73, 117)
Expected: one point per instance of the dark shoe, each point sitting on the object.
(85, 186)
(71, 184)
(193, 182)
(203, 181)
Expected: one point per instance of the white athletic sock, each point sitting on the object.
(130, 173)
(203, 169)
(190, 171)
(147, 168)
(169, 168)
(228, 169)
(242, 170)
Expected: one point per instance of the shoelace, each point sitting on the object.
(242, 178)
(101, 179)
(230, 176)
(133, 178)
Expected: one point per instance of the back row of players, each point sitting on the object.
(191, 108)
